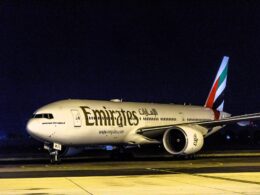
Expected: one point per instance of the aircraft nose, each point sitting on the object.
(36, 130)
(31, 128)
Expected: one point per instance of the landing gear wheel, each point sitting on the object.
(121, 154)
(190, 157)
(54, 157)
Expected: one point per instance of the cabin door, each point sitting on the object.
(76, 118)
(181, 117)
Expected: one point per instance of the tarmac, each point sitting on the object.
(234, 174)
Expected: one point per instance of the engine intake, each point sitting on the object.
(182, 140)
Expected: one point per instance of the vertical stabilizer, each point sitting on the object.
(215, 98)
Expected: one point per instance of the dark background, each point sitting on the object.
(164, 51)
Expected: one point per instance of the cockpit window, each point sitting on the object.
(43, 115)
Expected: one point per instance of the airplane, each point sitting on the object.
(180, 129)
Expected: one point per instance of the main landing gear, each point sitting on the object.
(121, 153)
(187, 157)
(53, 152)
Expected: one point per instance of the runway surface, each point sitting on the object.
(227, 175)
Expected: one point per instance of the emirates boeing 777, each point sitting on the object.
(181, 129)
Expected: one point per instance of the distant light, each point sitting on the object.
(228, 137)
(244, 123)
(3, 136)
(109, 148)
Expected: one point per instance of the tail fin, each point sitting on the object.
(215, 98)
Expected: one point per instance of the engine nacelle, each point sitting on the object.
(182, 140)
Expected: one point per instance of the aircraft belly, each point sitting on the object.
(98, 135)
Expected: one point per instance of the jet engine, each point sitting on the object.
(182, 140)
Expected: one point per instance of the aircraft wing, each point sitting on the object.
(157, 130)
(230, 120)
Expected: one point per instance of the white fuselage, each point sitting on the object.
(86, 122)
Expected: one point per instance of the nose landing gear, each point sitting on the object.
(53, 152)
(54, 157)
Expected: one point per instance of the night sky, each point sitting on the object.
(164, 51)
